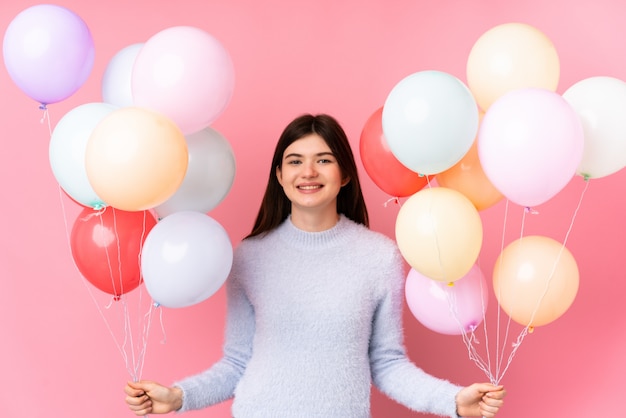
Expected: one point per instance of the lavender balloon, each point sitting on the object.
(48, 52)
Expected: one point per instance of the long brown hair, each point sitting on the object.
(276, 207)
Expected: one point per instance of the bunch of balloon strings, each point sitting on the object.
(495, 356)
(127, 316)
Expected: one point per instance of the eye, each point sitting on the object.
(325, 161)
(294, 162)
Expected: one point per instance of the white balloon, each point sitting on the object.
(209, 177)
(600, 103)
(430, 120)
(116, 81)
(67, 148)
(185, 259)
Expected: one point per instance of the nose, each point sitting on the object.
(308, 169)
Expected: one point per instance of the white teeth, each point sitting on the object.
(308, 187)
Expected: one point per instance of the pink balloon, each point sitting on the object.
(445, 309)
(530, 144)
(185, 74)
(48, 52)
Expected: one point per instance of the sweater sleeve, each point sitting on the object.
(392, 372)
(218, 383)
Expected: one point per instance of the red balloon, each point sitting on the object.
(106, 247)
(389, 174)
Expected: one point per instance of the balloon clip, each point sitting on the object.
(156, 304)
(450, 284)
(530, 210)
(531, 330)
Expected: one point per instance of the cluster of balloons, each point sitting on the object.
(506, 134)
(145, 152)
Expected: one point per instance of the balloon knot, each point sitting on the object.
(156, 304)
(586, 176)
(395, 200)
(43, 106)
(530, 210)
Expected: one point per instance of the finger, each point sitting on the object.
(140, 402)
(494, 399)
(488, 410)
(133, 392)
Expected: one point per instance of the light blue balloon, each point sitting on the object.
(430, 120)
(67, 148)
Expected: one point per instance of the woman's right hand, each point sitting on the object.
(147, 397)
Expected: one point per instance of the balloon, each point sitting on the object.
(116, 81)
(68, 144)
(106, 246)
(186, 259)
(529, 144)
(391, 176)
(417, 119)
(468, 177)
(48, 52)
(451, 310)
(186, 74)
(535, 280)
(508, 57)
(600, 103)
(210, 174)
(136, 159)
(439, 233)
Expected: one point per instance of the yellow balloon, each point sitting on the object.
(136, 159)
(508, 57)
(439, 233)
(535, 280)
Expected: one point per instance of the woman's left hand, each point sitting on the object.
(480, 400)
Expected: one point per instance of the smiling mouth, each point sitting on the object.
(313, 187)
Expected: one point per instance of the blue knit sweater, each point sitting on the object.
(313, 319)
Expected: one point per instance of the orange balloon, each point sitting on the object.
(136, 159)
(439, 233)
(535, 280)
(467, 176)
(509, 57)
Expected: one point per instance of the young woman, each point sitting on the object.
(314, 304)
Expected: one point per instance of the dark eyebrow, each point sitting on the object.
(320, 154)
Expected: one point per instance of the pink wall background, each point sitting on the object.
(59, 359)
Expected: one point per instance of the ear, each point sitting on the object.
(279, 175)
(345, 181)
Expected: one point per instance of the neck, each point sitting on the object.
(314, 221)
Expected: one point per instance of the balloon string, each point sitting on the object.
(45, 117)
(164, 339)
(528, 328)
(136, 368)
(394, 199)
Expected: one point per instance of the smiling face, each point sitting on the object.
(311, 178)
